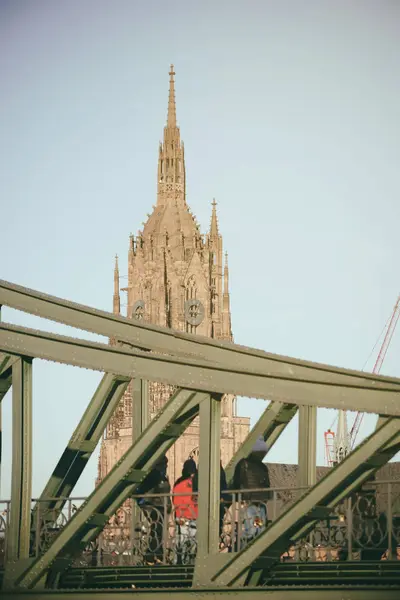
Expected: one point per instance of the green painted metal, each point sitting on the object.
(196, 364)
(307, 475)
(140, 407)
(189, 373)
(140, 420)
(82, 444)
(270, 425)
(313, 574)
(299, 519)
(21, 485)
(209, 478)
(119, 484)
(160, 339)
(6, 363)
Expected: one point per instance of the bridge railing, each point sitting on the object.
(365, 526)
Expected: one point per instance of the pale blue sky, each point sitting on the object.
(290, 116)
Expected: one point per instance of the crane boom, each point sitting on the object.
(335, 445)
(378, 364)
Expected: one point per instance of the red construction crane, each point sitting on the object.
(329, 435)
(378, 365)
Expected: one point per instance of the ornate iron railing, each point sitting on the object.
(366, 526)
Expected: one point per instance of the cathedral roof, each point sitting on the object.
(172, 218)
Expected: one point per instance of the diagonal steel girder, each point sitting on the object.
(319, 388)
(6, 363)
(120, 483)
(81, 445)
(315, 505)
(270, 426)
(169, 341)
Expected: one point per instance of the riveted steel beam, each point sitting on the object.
(6, 363)
(117, 486)
(169, 341)
(307, 475)
(337, 390)
(270, 425)
(299, 519)
(82, 444)
(20, 515)
(209, 484)
(140, 407)
(140, 420)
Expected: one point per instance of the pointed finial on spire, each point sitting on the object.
(116, 298)
(226, 275)
(171, 118)
(214, 220)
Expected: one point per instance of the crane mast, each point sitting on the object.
(339, 445)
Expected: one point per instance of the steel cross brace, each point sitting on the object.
(270, 425)
(298, 384)
(120, 483)
(6, 363)
(316, 504)
(169, 341)
(81, 445)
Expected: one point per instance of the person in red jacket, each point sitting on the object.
(186, 511)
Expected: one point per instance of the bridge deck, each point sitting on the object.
(311, 574)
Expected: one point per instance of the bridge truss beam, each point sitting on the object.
(120, 483)
(203, 370)
(286, 374)
(82, 444)
(318, 389)
(21, 487)
(315, 505)
(270, 426)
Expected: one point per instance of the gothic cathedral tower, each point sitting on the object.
(177, 278)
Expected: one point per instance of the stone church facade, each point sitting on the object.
(178, 278)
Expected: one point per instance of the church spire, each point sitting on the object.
(226, 309)
(214, 220)
(116, 298)
(171, 118)
(171, 184)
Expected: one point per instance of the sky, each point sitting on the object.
(290, 114)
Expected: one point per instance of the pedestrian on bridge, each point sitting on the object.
(186, 512)
(251, 475)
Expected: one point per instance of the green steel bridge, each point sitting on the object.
(337, 538)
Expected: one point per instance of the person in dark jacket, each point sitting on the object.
(225, 497)
(155, 508)
(252, 474)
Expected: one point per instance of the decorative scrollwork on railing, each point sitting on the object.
(364, 527)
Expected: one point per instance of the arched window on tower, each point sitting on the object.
(191, 290)
(190, 294)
